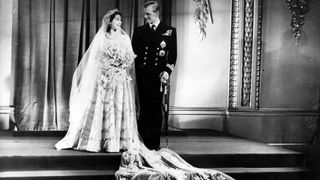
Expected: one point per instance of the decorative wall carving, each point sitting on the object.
(247, 52)
(258, 60)
(202, 13)
(234, 54)
(298, 9)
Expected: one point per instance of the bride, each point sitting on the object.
(103, 111)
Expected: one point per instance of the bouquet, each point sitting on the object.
(116, 60)
(117, 57)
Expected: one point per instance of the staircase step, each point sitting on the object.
(244, 160)
(91, 161)
(34, 158)
(239, 173)
(57, 175)
(112, 160)
(269, 173)
(241, 170)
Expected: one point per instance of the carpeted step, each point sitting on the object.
(239, 173)
(34, 157)
(106, 161)
(244, 160)
(269, 173)
(112, 161)
(57, 175)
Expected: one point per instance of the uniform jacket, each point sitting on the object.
(156, 50)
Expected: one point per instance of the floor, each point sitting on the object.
(192, 142)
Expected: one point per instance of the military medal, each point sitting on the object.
(163, 44)
(162, 53)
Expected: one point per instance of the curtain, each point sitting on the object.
(52, 36)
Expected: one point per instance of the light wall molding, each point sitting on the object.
(196, 111)
(6, 110)
(252, 113)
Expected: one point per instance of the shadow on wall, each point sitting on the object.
(291, 75)
(312, 159)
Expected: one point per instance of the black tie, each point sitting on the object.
(153, 27)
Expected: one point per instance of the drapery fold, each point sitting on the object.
(51, 38)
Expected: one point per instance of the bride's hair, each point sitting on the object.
(110, 19)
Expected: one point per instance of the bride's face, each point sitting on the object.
(116, 22)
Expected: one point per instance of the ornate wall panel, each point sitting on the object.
(245, 54)
(258, 60)
(234, 54)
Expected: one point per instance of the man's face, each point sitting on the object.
(149, 15)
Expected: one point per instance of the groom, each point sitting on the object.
(155, 45)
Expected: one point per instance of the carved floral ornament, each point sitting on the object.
(202, 13)
(298, 10)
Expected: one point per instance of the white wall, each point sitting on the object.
(202, 66)
(5, 61)
(199, 82)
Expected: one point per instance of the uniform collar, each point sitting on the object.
(155, 23)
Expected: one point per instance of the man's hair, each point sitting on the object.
(154, 4)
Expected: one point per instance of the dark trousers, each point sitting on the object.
(150, 117)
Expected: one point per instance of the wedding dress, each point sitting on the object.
(103, 114)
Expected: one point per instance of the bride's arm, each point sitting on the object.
(129, 52)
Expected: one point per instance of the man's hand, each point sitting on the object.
(164, 77)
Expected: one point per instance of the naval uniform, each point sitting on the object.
(156, 52)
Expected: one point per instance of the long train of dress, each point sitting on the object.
(141, 163)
